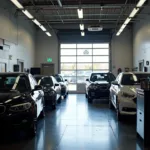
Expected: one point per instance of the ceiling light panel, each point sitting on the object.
(82, 33)
(140, 3)
(48, 34)
(127, 21)
(18, 5)
(27, 14)
(134, 12)
(36, 22)
(43, 28)
(81, 26)
(80, 13)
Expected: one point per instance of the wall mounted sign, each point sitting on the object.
(49, 60)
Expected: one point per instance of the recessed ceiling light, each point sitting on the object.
(82, 33)
(80, 13)
(81, 26)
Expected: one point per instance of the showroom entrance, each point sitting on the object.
(78, 61)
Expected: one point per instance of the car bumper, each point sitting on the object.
(98, 94)
(63, 92)
(16, 120)
(127, 107)
(50, 100)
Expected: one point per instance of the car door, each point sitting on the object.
(57, 88)
(115, 89)
(36, 95)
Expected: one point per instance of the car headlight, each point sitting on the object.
(127, 95)
(20, 107)
(92, 87)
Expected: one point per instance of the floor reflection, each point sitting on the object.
(77, 125)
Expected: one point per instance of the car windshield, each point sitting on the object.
(59, 79)
(129, 79)
(141, 77)
(102, 77)
(46, 81)
(7, 82)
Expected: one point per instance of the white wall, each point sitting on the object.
(47, 47)
(122, 51)
(19, 33)
(141, 39)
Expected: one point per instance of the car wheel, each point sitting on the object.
(90, 100)
(110, 103)
(43, 113)
(33, 128)
(54, 107)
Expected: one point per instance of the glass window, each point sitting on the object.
(68, 51)
(84, 66)
(84, 72)
(68, 73)
(72, 87)
(66, 66)
(68, 46)
(68, 58)
(82, 79)
(101, 66)
(84, 59)
(84, 45)
(71, 79)
(129, 79)
(100, 58)
(100, 52)
(46, 81)
(84, 52)
(103, 45)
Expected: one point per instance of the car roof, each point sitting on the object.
(14, 73)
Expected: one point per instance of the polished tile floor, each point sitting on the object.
(77, 125)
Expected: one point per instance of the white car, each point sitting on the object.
(123, 94)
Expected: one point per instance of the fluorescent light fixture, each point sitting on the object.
(43, 28)
(82, 33)
(80, 13)
(123, 26)
(81, 26)
(17, 4)
(127, 21)
(27, 14)
(118, 33)
(36, 22)
(140, 3)
(59, 3)
(133, 13)
(48, 34)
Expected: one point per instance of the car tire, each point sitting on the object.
(54, 107)
(33, 129)
(90, 100)
(110, 103)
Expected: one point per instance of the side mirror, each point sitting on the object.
(38, 87)
(56, 84)
(66, 80)
(87, 80)
(114, 83)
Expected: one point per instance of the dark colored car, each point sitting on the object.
(98, 85)
(63, 83)
(51, 88)
(21, 102)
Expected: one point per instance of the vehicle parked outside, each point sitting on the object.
(98, 85)
(123, 94)
(63, 83)
(51, 87)
(21, 102)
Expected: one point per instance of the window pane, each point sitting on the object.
(104, 45)
(72, 87)
(68, 59)
(84, 72)
(95, 71)
(68, 73)
(68, 51)
(100, 52)
(82, 79)
(71, 79)
(84, 59)
(84, 52)
(67, 66)
(100, 58)
(84, 45)
(84, 66)
(68, 46)
(101, 66)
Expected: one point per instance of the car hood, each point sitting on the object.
(12, 97)
(129, 89)
(100, 82)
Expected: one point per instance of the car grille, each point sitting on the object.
(2, 109)
(103, 87)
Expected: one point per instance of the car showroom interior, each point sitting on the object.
(74, 74)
